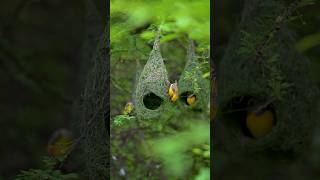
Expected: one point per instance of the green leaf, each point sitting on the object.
(308, 42)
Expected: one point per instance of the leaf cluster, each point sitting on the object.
(47, 173)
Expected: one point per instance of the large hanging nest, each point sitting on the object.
(192, 84)
(94, 130)
(94, 104)
(273, 76)
(151, 91)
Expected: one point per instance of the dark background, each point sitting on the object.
(42, 74)
(305, 26)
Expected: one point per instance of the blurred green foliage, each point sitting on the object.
(175, 18)
(173, 150)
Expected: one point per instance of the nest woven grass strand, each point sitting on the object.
(96, 114)
(242, 77)
(151, 91)
(192, 82)
(94, 103)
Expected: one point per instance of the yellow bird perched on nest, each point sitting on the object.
(173, 91)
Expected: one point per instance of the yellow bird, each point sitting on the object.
(60, 143)
(128, 108)
(191, 99)
(175, 97)
(260, 124)
(173, 91)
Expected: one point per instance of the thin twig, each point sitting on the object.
(264, 105)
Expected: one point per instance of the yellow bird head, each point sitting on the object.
(260, 124)
(191, 99)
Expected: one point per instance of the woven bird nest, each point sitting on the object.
(243, 79)
(191, 82)
(151, 91)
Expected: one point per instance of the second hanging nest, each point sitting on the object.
(193, 88)
(277, 80)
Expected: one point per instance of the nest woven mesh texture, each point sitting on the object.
(151, 91)
(151, 95)
(95, 108)
(243, 76)
(192, 82)
(94, 103)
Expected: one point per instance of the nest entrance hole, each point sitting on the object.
(235, 113)
(184, 96)
(152, 101)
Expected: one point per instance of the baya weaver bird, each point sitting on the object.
(128, 108)
(191, 99)
(60, 143)
(173, 91)
(260, 123)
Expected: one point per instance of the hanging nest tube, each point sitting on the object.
(244, 82)
(151, 91)
(192, 84)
